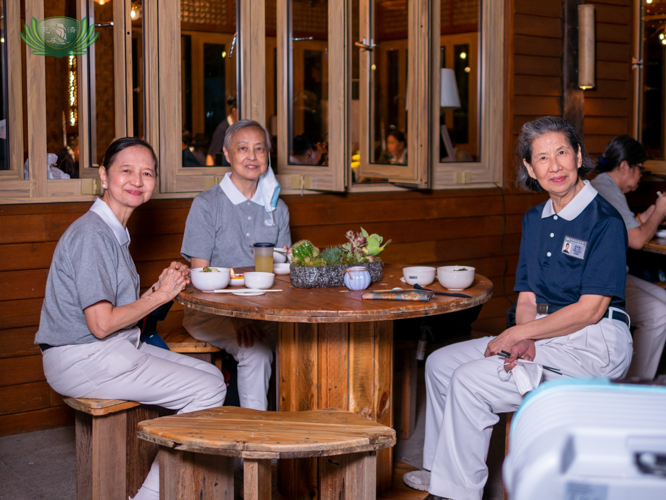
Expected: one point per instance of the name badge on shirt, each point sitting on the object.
(574, 247)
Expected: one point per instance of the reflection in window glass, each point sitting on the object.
(654, 84)
(459, 57)
(308, 113)
(4, 149)
(138, 120)
(389, 106)
(102, 92)
(208, 66)
(62, 121)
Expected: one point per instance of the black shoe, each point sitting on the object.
(435, 497)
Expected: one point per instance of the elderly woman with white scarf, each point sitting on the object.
(224, 223)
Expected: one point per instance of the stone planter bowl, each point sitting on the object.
(331, 276)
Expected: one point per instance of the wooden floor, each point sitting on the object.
(400, 491)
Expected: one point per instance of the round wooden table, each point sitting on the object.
(334, 350)
(656, 245)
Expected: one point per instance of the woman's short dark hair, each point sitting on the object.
(121, 144)
(535, 129)
(301, 145)
(621, 148)
(397, 135)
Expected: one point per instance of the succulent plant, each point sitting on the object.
(373, 245)
(308, 262)
(332, 255)
(303, 249)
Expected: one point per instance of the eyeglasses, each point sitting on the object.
(641, 168)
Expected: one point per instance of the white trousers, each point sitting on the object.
(646, 304)
(116, 369)
(465, 393)
(254, 363)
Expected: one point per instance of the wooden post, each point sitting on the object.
(257, 479)
(573, 98)
(195, 476)
(348, 477)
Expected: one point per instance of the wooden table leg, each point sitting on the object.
(348, 366)
(195, 476)
(409, 380)
(257, 479)
(348, 477)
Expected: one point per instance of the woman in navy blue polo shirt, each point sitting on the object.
(570, 315)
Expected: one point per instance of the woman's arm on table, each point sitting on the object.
(103, 318)
(587, 311)
(650, 220)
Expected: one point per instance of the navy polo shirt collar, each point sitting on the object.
(575, 206)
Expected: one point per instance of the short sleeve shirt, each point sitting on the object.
(579, 251)
(223, 225)
(607, 188)
(91, 263)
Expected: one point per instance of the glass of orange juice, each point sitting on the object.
(263, 257)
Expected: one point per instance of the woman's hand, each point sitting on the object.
(171, 282)
(525, 349)
(505, 341)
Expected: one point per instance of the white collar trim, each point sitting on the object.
(104, 211)
(575, 206)
(234, 194)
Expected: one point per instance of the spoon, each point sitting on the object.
(419, 287)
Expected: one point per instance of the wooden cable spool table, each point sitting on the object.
(334, 350)
(656, 245)
(197, 450)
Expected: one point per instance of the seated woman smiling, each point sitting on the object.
(87, 332)
(570, 315)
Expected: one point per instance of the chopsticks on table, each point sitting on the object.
(245, 290)
(505, 355)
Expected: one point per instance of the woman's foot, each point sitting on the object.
(418, 479)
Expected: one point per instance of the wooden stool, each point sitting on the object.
(182, 342)
(197, 449)
(111, 462)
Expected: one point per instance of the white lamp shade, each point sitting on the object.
(448, 90)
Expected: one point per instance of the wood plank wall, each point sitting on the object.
(431, 227)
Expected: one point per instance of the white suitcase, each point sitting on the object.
(588, 439)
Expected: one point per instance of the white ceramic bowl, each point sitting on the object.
(281, 268)
(261, 281)
(279, 257)
(210, 281)
(237, 281)
(423, 275)
(455, 277)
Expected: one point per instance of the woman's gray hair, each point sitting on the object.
(240, 125)
(535, 129)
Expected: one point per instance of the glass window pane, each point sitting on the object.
(208, 64)
(654, 83)
(308, 82)
(459, 136)
(102, 88)
(62, 120)
(388, 95)
(4, 149)
(138, 102)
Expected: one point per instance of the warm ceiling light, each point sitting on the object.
(648, 1)
(463, 55)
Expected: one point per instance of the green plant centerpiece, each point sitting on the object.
(312, 268)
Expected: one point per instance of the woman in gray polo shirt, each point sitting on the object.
(87, 331)
(223, 224)
(620, 170)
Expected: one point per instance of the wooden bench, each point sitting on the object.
(182, 342)
(197, 449)
(111, 461)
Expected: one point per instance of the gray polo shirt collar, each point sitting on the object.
(107, 215)
(575, 206)
(234, 195)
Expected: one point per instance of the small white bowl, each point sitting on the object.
(237, 281)
(283, 268)
(207, 282)
(455, 277)
(257, 280)
(423, 275)
(279, 257)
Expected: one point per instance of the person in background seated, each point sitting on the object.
(569, 315)
(68, 158)
(303, 153)
(396, 149)
(224, 223)
(217, 141)
(620, 170)
(87, 331)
